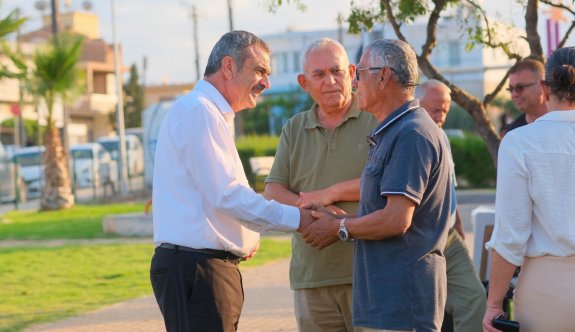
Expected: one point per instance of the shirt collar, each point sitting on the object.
(353, 112)
(215, 96)
(396, 115)
(560, 116)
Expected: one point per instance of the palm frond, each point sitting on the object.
(10, 24)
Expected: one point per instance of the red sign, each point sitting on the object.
(15, 109)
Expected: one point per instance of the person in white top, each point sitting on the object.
(535, 209)
(206, 217)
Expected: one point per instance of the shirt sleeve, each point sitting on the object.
(513, 206)
(210, 156)
(409, 167)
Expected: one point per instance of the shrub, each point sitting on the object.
(251, 146)
(473, 165)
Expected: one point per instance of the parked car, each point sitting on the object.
(137, 131)
(12, 185)
(93, 166)
(134, 152)
(31, 162)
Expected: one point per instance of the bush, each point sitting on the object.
(252, 146)
(473, 164)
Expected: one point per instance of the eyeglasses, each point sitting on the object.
(519, 87)
(357, 70)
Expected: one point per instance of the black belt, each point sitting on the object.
(219, 254)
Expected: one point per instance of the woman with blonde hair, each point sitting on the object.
(535, 211)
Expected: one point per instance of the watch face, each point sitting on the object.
(342, 235)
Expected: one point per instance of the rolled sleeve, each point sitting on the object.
(513, 206)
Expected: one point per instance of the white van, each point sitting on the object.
(93, 166)
(134, 152)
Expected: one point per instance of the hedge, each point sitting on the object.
(255, 146)
(473, 164)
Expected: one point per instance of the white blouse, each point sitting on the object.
(535, 199)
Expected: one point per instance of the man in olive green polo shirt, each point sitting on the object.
(320, 148)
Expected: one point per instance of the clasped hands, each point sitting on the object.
(319, 225)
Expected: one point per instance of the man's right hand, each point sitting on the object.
(305, 219)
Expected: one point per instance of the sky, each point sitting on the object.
(162, 30)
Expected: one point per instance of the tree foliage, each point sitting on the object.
(133, 100)
(8, 25)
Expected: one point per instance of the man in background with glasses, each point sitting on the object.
(526, 93)
(399, 273)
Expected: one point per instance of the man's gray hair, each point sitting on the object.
(422, 88)
(320, 44)
(233, 44)
(397, 55)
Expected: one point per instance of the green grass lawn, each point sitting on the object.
(79, 222)
(42, 284)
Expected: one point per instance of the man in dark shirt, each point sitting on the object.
(527, 95)
(399, 275)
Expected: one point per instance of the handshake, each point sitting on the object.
(319, 225)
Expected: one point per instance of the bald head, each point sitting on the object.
(435, 97)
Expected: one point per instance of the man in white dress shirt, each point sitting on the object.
(206, 217)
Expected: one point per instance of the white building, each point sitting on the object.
(477, 71)
(287, 48)
(89, 114)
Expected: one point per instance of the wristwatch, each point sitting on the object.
(343, 233)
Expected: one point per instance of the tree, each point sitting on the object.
(56, 77)
(134, 100)
(8, 25)
(481, 30)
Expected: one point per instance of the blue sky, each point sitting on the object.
(162, 30)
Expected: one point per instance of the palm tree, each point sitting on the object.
(8, 25)
(56, 77)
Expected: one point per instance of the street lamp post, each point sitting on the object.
(119, 108)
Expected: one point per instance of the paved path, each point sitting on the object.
(268, 307)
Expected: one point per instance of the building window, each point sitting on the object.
(454, 57)
(296, 62)
(99, 83)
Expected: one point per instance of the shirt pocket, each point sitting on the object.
(371, 180)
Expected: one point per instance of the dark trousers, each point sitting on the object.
(196, 292)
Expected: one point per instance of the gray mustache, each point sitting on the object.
(259, 87)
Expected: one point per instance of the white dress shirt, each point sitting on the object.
(535, 199)
(201, 196)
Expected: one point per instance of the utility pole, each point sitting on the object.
(230, 15)
(196, 45)
(144, 69)
(55, 16)
(119, 108)
(65, 117)
(19, 136)
(238, 126)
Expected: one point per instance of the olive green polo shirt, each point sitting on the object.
(310, 157)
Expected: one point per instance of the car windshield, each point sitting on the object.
(110, 145)
(82, 154)
(29, 159)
